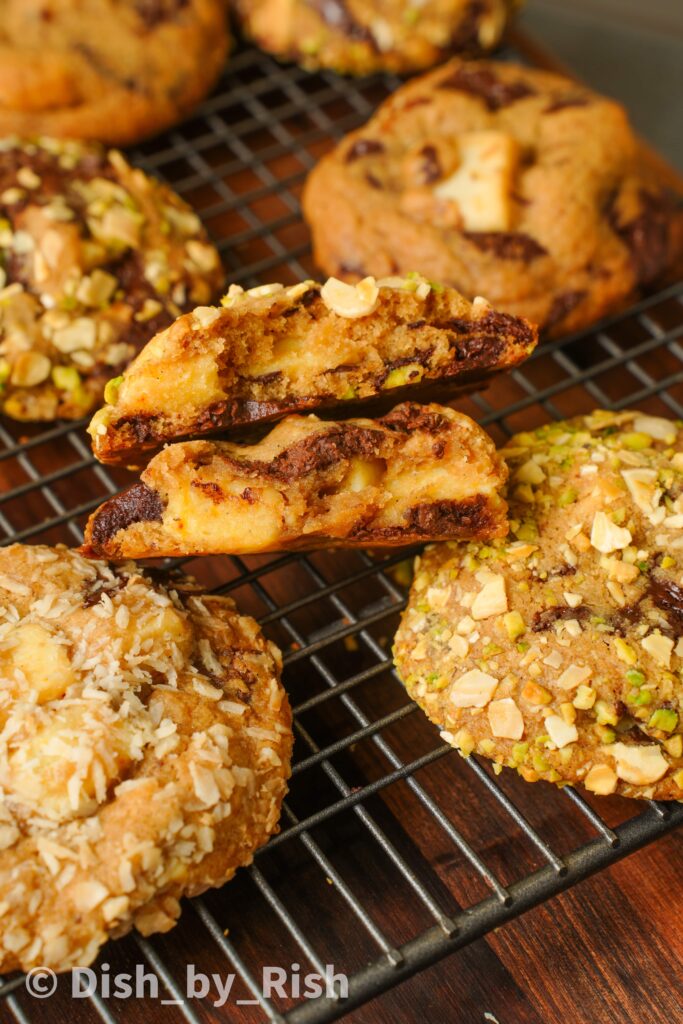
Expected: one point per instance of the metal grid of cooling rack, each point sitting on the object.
(394, 851)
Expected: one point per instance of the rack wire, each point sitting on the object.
(394, 851)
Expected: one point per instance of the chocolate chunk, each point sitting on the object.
(139, 504)
(647, 235)
(507, 245)
(210, 489)
(487, 86)
(443, 518)
(668, 597)
(363, 147)
(563, 102)
(545, 619)
(153, 12)
(561, 307)
(429, 169)
(487, 335)
(465, 38)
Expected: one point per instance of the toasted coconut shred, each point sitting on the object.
(145, 744)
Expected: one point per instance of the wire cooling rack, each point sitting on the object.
(394, 851)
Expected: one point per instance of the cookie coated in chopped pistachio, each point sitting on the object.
(361, 36)
(145, 745)
(95, 258)
(558, 651)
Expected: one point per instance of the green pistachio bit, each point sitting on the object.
(111, 391)
(411, 373)
(568, 497)
(349, 394)
(522, 646)
(491, 649)
(435, 681)
(527, 531)
(635, 677)
(519, 752)
(664, 719)
(605, 714)
(636, 441)
(514, 625)
(643, 697)
(607, 735)
(66, 378)
(668, 562)
(5, 370)
(411, 16)
(540, 763)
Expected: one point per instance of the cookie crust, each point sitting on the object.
(145, 744)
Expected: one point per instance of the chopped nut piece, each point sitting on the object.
(474, 689)
(350, 300)
(573, 675)
(585, 698)
(560, 732)
(659, 647)
(639, 765)
(601, 780)
(30, 369)
(491, 599)
(505, 719)
(606, 536)
(536, 694)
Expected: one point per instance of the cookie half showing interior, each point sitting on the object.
(95, 257)
(113, 70)
(558, 651)
(362, 36)
(145, 744)
(419, 473)
(274, 350)
(503, 181)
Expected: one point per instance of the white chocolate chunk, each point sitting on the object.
(482, 184)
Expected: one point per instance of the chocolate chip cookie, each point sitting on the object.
(95, 257)
(361, 36)
(498, 180)
(274, 350)
(145, 744)
(112, 70)
(419, 473)
(558, 651)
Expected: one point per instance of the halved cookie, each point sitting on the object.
(274, 350)
(419, 473)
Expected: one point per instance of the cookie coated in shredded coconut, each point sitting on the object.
(145, 745)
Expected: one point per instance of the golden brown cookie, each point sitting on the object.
(113, 70)
(361, 36)
(95, 257)
(419, 473)
(274, 350)
(500, 181)
(558, 651)
(144, 749)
